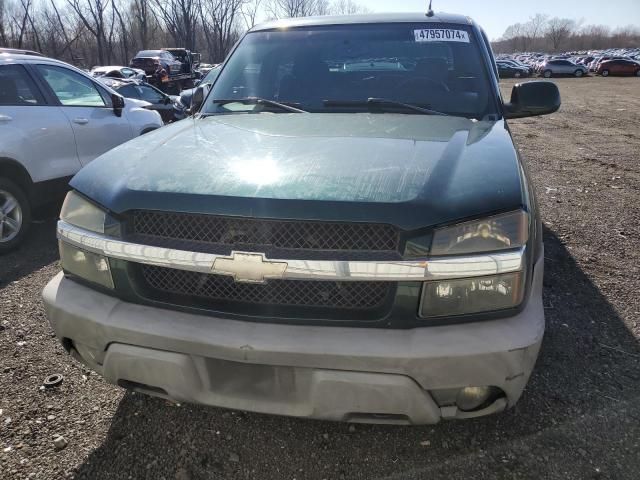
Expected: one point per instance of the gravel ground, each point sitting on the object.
(579, 417)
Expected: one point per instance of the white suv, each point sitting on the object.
(54, 119)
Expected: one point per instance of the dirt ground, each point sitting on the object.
(579, 417)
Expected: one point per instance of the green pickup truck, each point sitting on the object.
(343, 230)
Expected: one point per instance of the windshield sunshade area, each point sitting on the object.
(339, 68)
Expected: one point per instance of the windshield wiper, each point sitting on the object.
(380, 102)
(260, 101)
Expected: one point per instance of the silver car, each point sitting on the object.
(54, 119)
(562, 67)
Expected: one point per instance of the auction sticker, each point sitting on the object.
(441, 35)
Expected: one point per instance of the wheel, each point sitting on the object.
(637, 73)
(605, 73)
(517, 74)
(546, 74)
(15, 215)
(578, 73)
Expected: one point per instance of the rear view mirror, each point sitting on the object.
(118, 104)
(528, 99)
(197, 99)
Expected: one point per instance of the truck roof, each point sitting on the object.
(439, 17)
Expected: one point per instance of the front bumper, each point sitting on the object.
(334, 373)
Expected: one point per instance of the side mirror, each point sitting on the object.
(197, 99)
(529, 99)
(118, 104)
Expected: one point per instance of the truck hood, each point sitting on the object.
(408, 170)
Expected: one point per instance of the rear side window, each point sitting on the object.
(17, 88)
(71, 88)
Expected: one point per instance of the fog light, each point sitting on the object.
(472, 398)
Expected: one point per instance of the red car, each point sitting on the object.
(618, 67)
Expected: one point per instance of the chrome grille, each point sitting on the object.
(250, 232)
(220, 291)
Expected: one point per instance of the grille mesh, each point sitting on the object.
(235, 232)
(299, 293)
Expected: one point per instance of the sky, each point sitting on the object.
(496, 15)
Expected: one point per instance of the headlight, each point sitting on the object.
(87, 265)
(477, 294)
(500, 232)
(471, 295)
(81, 213)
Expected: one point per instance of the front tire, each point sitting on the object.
(578, 73)
(517, 74)
(15, 215)
(546, 74)
(637, 73)
(605, 73)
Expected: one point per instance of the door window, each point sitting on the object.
(142, 92)
(150, 95)
(71, 88)
(129, 91)
(16, 88)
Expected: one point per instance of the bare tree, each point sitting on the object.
(3, 33)
(296, 8)
(347, 7)
(123, 32)
(625, 36)
(558, 30)
(513, 36)
(249, 12)
(219, 25)
(142, 17)
(534, 29)
(20, 17)
(93, 15)
(180, 18)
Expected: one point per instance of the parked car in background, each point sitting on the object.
(204, 68)
(168, 106)
(618, 67)
(593, 66)
(185, 96)
(54, 119)
(189, 60)
(148, 61)
(359, 244)
(114, 71)
(517, 63)
(510, 70)
(562, 67)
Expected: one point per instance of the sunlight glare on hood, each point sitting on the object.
(256, 171)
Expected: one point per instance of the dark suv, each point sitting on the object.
(345, 230)
(148, 60)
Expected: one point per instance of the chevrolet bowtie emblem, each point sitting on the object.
(248, 267)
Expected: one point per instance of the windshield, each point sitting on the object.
(338, 68)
